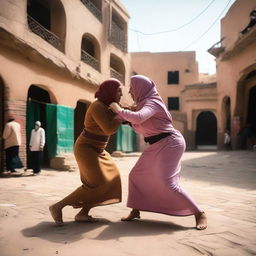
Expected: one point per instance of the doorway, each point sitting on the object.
(36, 111)
(206, 130)
(251, 119)
(80, 111)
(1, 124)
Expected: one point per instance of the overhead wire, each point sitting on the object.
(196, 40)
(175, 29)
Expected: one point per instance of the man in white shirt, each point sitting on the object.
(36, 147)
(12, 137)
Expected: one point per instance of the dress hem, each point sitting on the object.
(96, 205)
(170, 214)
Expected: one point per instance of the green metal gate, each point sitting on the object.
(126, 139)
(58, 122)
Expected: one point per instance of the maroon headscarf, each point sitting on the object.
(107, 91)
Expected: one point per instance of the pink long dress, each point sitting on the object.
(154, 180)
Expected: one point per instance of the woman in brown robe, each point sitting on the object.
(98, 172)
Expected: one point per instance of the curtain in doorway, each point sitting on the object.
(65, 129)
(51, 131)
(58, 122)
(33, 115)
(60, 129)
(126, 139)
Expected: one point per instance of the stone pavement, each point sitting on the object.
(222, 183)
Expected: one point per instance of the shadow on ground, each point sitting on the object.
(73, 231)
(227, 168)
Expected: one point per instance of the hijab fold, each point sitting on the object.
(107, 91)
(144, 89)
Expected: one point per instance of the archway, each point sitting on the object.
(36, 111)
(244, 115)
(206, 129)
(117, 68)
(80, 111)
(1, 123)
(90, 51)
(248, 133)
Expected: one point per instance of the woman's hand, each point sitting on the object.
(133, 108)
(115, 107)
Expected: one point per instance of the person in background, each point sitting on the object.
(252, 22)
(227, 140)
(12, 137)
(36, 147)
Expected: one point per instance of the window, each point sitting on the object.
(173, 103)
(117, 68)
(89, 52)
(95, 7)
(118, 33)
(47, 19)
(173, 77)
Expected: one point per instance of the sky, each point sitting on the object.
(176, 25)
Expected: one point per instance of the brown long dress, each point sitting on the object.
(98, 172)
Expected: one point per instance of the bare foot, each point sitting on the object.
(201, 221)
(134, 214)
(85, 218)
(56, 215)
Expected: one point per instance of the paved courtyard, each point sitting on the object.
(223, 183)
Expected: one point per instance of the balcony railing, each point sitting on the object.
(90, 60)
(242, 43)
(117, 75)
(217, 48)
(44, 33)
(94, 10)
(118, 37)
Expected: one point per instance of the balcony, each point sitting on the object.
(90, 60)
(44, 33)
(93, 9)
(118, 37)
(117, 75)
(242, 42)
(217, 48)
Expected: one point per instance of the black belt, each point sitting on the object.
(156, 138)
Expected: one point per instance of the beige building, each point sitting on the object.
(236, 75)
(53, 55)
(205, 107)
(190, 98)
(200, 109)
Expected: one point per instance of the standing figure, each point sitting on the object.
(227, 140)
(36, 147)
(12, 137)
(251, 23)
(154, 180)
(101, 183)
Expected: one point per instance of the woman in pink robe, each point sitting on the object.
(154, 180)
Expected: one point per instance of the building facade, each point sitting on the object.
(236, 75)
(200, 110)
(53, 56)
(205, 108)
(190, 99)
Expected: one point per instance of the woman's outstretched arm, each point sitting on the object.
(136, 117)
